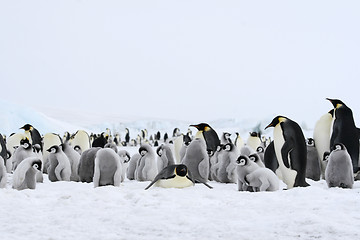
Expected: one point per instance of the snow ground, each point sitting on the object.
(73, 210)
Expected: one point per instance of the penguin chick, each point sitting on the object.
(107, 168)
(74, 158)
(256, 159)
(262, 179)
(165, 156)
(313, 170)
(125, 159)
(339, 170)
(24, 176)
(130, 171)
(3, 174)
(244, 167)
(146, 169)
(60, 168)
(86, 165)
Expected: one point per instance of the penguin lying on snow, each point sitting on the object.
(174, 176)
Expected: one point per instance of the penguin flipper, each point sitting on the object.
(166, 173)
(285, 152)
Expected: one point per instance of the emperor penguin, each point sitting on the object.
(165, 156)
(74, 158)
(25, 150)
(49, 139)
(179, 143)
(262, 179)
(130, 171)
(34, 133)
(176, 132)
(225, 138)
(270, 159)
(244, 166)
(215, 164)
(13, 141)
(146, 169)
(86, 165)
(127, 136)
(344, 131)
(81, 141)
(112, 146)
(59, 168)
(100, 141)
(256, 159)
(313, 170)
(125, 159)
(197, 160)
(3, 174)
(253, 140)
(107, 168)
(260, 151)
(24, 176)
(339, 170)
(3, 150)
(208, 134)
(226, 172)
(290, 149)
(173, 176)
(239, 142)
(321, 136)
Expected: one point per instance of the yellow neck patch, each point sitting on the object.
(206, 129)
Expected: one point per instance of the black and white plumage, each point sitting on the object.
(3, 174)
(59, 168)
(256, 159)
(208, 134)
(262, 179)
(34, 134)
(244, 167)
(146, 169)
(339, 170)
(25, 150)
(24, 176)
(225, 171)
(313, 168)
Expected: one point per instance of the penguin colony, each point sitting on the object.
(182, 160)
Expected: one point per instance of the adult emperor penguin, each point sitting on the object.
(107, 168)
(290, 149)
(253, 140)
(339, 172)
(270, 159)
(344, 131)
(239, 142)
(146, 169)
(80, 140)
(59, 168)
(86, 165)
(24, 176)
(321, 136)
(197, 160)
(173, 176)
(165, 156)
(34, 133)
(208, 134)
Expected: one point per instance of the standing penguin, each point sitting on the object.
(344, 131)
(59, 168)
(146, 169)
(290, 149)
(74, 158)
(165, 156)
(80, 141)
(270, 159)
(3, 150)
(226, 158)
(25, 150)
(24, 176)
(127, 136)
(243, 168)
(107, 168)
(339, 172)
(225, 138)
(34, 133)
(197, 160)
(254, 140)
(130, 171)
(239, 142)
(49, 139)
(86, 165)
(321, 136)
(3, 175)
(125, 159)
(313, 170)
(208, 134)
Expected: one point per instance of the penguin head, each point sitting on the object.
(126, 157)
(181, 170)
(338, 147)
(326, 156)
(210, 152)
(276, 121)
(253, 134)
(25, 143)
(37, 165)
(53, 149)
(36, 148)
(310, 142)
(260, 149)
(227, 147)
(242, 160)
(186, 140)
(159, 150)
(254, 157)
(219, 148)
(142, 151)
(336, 102)
(226, 135)
(27, 127)
(77, 148)
(202, 127)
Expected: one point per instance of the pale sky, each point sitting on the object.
(188, 60)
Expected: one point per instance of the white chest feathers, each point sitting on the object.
(176, 182)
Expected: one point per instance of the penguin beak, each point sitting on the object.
(196, 126)
(270, 125)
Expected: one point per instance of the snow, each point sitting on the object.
(73, 210)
